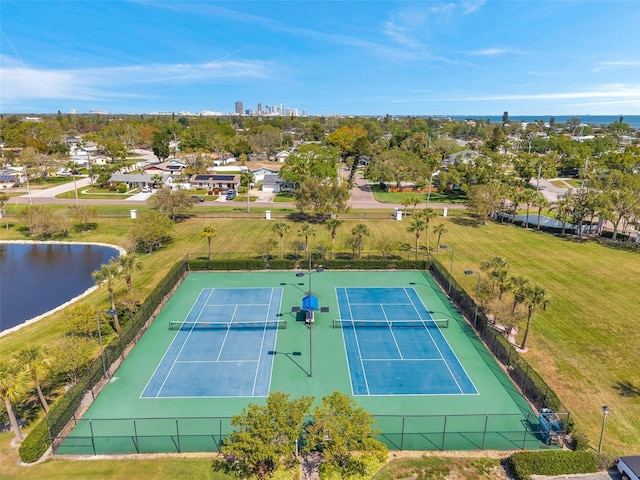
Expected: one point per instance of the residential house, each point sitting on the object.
(171, 167)
(259, 174)
(9, 178)
(140, 180)
(282, 156)
(215, 181)
(271, 183)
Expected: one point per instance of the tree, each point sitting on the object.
(359, 231)
(82, 214)
(528, 197)
(439, 229)
(518, 287)
(405, 202)
(265, 436)
(280, 229)
(37, 366)
(541, 202)
(332, 225)
(306, 231)
(428, 214)
(315, 161)
(160, 145)
(534, 299)
(128, 264)
(498, 269)
(109, 273)
(417, 225)
(386, 245)
(71, 355)
(71, 166)
(339, 429)
(150, 229)
(246, 179)
(505, 117)
(264, 248)
(171, 202)
(14, 383)
(209, 233)
(43, 222)
(322, 197)
(483, 201)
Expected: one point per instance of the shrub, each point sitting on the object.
(552, 462)
(36, 444)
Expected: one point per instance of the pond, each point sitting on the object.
(38, 277)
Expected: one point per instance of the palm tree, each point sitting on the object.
(428, 214)
(129, 263)
(415, 201)
(439, 229)
(529, 197)
(280, 229)
(359, 231)
(534, 299)
(541, 203)
(208, 232)
(14, 384)
(332, 225)
(108, 273)
(37, 366)
(246, 179)
(306, 231)
(518, 286)
(497, 268)
(516, 200)
(418, 224)
(405, 202)
(71, 166)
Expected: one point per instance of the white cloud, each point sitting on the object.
(490, 52)
(18, 82)
(600, 66)
(471, 7)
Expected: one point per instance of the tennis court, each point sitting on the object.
(433, 386)
(395, 347)
(221, 347)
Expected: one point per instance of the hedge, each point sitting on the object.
(36, 443)
(552, 462)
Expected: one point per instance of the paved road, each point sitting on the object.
(612, 475)
(361, 198)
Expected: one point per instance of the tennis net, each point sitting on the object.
(235, 325)
(347, 323)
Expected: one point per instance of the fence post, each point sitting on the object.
(444, 432)
(484, 435)
(524, 383)
(135, 436)
(178, 435)
(93, 442)
(402, 435)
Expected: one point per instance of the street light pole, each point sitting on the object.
(605, 412)
(475, 314)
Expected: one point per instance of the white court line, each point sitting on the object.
(355, 335)
(264, 331)
(391, 331)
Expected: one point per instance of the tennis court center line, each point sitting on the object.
(395, 340)
(226, 334)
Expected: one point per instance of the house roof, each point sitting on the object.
(215, 177)
(135, 177)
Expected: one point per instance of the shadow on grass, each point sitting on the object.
(626, 389)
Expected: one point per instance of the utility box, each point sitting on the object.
(267, 214)
(134, 213)
(444, 212)
(398, 214)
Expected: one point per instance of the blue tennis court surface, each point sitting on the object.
(225, 350)
(404, 360)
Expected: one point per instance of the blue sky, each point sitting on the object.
(331, 57)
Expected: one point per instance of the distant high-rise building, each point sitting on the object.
(239, 109)
(259, 108)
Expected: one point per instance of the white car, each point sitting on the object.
(146, 190)
(629, 467)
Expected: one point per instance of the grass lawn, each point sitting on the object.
(95, 193)
(432, 467)
(383, 196)
(585, 344)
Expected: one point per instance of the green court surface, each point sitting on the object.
(120, 420)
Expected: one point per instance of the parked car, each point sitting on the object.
(146, 190)
(629, 467)
(231, 194)
(197, 198)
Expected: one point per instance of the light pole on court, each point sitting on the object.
(475, 315)
(453, 250)
(309, 309)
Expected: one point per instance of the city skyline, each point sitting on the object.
(478, 57)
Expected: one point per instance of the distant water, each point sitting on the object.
(632, 120)
(37, 277)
